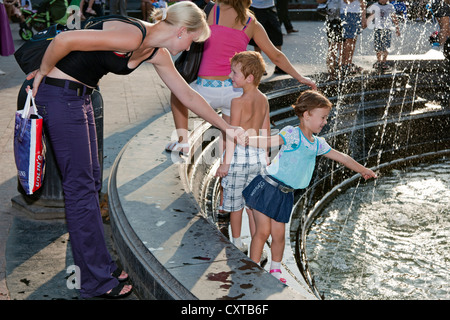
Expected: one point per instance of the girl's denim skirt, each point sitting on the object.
(264, 197)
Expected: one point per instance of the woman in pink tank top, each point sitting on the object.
(232, 26)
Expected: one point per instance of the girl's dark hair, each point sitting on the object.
(309, 100)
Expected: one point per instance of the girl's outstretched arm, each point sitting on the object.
(350, 163)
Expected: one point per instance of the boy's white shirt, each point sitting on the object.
(380, 16)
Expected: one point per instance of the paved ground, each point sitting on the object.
(35, 255)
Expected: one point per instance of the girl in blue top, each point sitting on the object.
(270, 194)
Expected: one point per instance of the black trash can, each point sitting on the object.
(51, 193)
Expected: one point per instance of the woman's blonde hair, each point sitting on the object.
(241, 7)
(309, 100)
(184, 14)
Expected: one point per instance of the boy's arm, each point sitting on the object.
(266, 122)
(395, 20)
(266, 127)
(350, 163)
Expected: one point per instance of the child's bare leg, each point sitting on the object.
(277, 248)
(262, 233)
(236, 225)
(89, 8)
(334, 60)
(348, 49)
(251, 221)
(278, 240)
(81, 10)
(384, 56)
(379, 56)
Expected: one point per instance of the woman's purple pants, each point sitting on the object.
(70, 127)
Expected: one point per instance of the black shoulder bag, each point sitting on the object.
(188, 62)
(29, 55)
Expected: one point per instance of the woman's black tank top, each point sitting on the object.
(89, 67)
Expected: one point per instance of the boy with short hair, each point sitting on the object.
(251, 112)
(383, 17)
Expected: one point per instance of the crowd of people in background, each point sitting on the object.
(418, 10)
(344, 22)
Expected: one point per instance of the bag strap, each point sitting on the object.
(208, 7)
(26, 113)
(30, 105)
(136, 22)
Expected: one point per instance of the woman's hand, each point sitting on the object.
(307, 81)
(38, 76)
(239, 133)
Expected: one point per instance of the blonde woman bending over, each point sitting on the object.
(70, 70)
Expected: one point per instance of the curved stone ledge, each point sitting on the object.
(168, 247)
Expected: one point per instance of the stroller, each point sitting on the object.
(49, 12)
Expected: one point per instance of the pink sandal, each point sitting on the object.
(278, 270)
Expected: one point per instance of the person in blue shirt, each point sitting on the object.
(270, 194)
